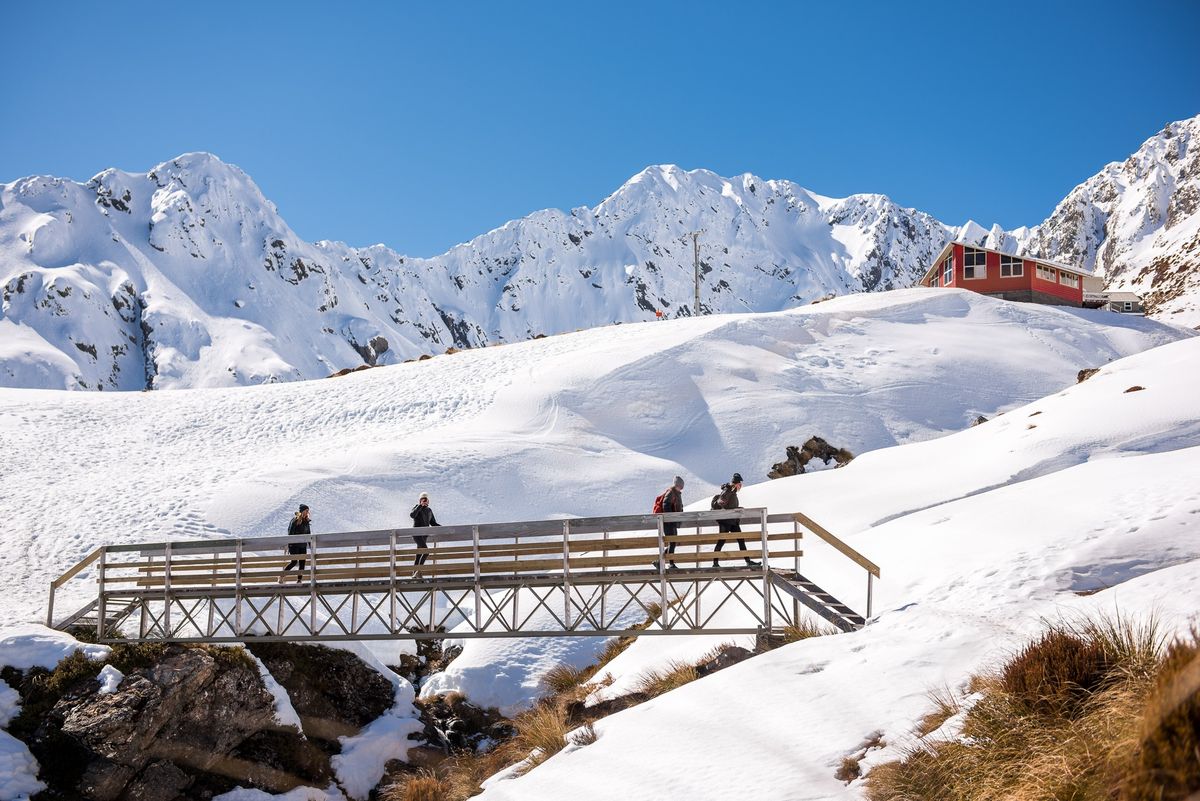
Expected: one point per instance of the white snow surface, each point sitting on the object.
(982, 537)
(31, 645)
(594, 422)
(110, 679)
(330, 793)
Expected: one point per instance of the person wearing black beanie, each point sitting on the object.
(728, 499)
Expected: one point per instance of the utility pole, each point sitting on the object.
(696, 265)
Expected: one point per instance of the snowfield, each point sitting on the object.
(980, 532)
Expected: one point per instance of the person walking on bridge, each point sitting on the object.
(672, 501)
(300, 526)
(728, 499)
(422, 516)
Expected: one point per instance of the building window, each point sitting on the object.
(1011, 266)
(1046, 273)
(974, 264)
(1068, 279)
(1128, 306)
(948, 270)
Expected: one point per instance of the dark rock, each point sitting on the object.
(175, 728)
(334, 692)
(798, 457)
(455, 725)
(980, 420)
(1085, 374)
(1135, 388)
(725, 657)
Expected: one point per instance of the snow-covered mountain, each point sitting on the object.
(1135, 223)
(187, 276)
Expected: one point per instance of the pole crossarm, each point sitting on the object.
(594, 576)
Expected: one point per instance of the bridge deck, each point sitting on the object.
(588, 576)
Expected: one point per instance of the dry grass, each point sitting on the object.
(563, 679)
(541, 732)
(584, 735)
(945, 706)
(424, 786)
(673, 676)
(805, 629)
(1091, 711)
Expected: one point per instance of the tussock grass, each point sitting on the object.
(674, 675)
(584, 735)
(945, 706)
(424, 786)
(541, 732)
(806, 629)
(1097, 710)
(563, 679)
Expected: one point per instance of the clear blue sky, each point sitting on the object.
(423, 125)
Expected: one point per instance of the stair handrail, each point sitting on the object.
(79, 567)
(853, 555)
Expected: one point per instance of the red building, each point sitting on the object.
(1003, 275)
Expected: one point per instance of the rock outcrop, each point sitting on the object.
(799, 457)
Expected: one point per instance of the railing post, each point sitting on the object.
(567, 574)
(312, 584)
(168, 630)
(662, 575)
(102, 605)
(354, 597)
(797, 535)
(766, 570)
(50, 606)
(870, 577)
(604, 585)
(476, 569)
(237, 589)
(392, 627)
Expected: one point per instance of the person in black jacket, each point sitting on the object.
(672, 502)
(299, 526)
(422, 515)
(728, 499)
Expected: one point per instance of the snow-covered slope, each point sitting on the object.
(187, 276)
(583, 423)
(1082, 502)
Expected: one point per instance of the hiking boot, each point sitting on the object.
(716, 563)
(672, 566)
(752, 563)
(654, 564)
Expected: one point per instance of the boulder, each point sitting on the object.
(814, 448)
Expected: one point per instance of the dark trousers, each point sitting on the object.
(422, 554)
(670, 530)
(294, 562)
(730, 527)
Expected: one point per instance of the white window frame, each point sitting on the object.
(1015, 266)
(1047, 273)
(969, 268)
(1129, 305)
(948, 270)
(1068, 279)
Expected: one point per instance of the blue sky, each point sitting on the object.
(421, 126)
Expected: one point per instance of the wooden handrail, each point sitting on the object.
(843, 548)
(73, 572)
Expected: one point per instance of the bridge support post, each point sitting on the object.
(392, 627)
(766, 571)
(312, 585)
(237, 589)
(50, 606)
(102, 606)
(870, 578)
(662, 574)
(168, 630)
(475, 567)
(567, 574)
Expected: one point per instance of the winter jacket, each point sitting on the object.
(672, 500)
(299, 528)
(729, 497)
(423, 516)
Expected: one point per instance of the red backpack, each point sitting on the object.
(658, 504)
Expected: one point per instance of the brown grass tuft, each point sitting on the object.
(945, 706)
(584, 735)
(1077, 715)
(424, 786)
(541, 732)
(805, 629)
(562, 679)
(656, 682)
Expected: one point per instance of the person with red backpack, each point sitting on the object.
(727, 499)
(670, 501)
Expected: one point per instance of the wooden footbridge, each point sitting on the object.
(597, 576)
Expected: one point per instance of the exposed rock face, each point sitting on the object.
(332, 691)
(1085, 374)
(188, 726)
(455, 725)
(799, 457)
